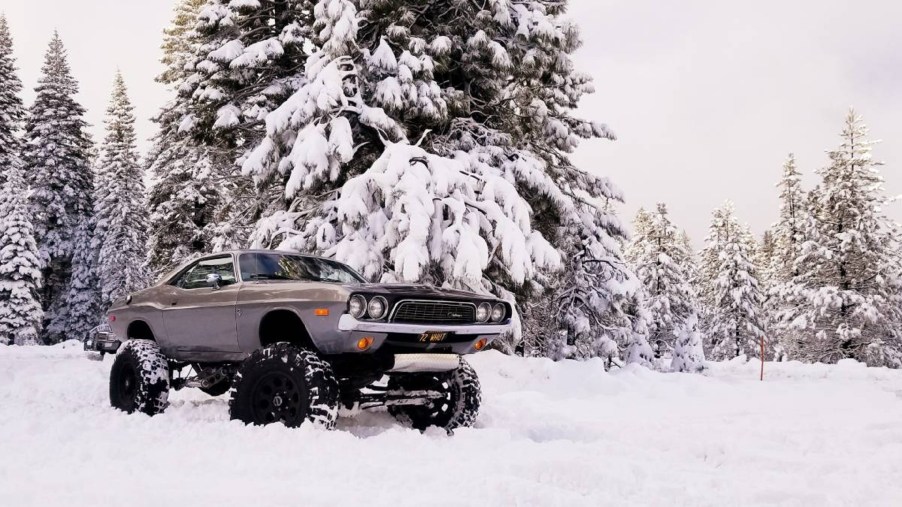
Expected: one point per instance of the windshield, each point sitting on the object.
(276, 266)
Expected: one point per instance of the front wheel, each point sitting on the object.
(286, 384)
(456, 408)
(139, 378)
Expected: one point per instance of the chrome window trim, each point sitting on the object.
(235, 274)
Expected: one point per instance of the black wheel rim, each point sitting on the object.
(128, 388)
(276, 397)
(438, 411)
(444, 405)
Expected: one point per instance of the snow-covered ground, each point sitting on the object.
(549, 434)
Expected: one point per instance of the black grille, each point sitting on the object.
(440, 312)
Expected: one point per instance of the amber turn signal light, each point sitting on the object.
(364, 343)
(481, 344)
(321, 312)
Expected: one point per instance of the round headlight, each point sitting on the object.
(357, 306)
(483, 311)
(376, 308)
(497, 312)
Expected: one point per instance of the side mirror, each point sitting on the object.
(214, 280)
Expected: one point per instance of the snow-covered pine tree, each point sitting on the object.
(21, 314)
(769, 273)
(249, 59)
(764, 260)
(642, 228)
(121, 221)
(429, 143)
(657, 255)
(636, 350)
(11, 110)
(692, 265)
(188, 188)
(789, 231)
(20, 277)
(83, 302)
(734, 317)
(846, 301)
(689, 351)
(178, 42)
(58, 172)
(790, 234)
(686, 240)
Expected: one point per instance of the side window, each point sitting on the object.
(196, 276)
(250, 266)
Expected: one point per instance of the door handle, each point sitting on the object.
(173, 303)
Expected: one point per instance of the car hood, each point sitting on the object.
(415, 290)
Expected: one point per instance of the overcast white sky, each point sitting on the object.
(707, 96)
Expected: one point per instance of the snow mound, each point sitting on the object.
(564, 433)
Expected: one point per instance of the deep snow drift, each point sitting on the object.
(549, 434)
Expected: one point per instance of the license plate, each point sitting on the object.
(432, 337)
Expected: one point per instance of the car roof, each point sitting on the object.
(264, 251)
(178, 269)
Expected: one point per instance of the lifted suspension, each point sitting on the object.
(197, 376)
(375, 396)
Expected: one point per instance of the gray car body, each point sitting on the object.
(223, 324)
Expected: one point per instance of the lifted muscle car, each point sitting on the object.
(294, 336)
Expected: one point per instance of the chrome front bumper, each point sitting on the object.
(348, 323)
(411, 363)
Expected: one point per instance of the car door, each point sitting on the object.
(199, 317)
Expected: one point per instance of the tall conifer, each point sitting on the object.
(120, 203)
(846, 299)
(58, 172)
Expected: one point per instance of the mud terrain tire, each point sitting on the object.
(139, 378)
(287, 384)
(458, 407)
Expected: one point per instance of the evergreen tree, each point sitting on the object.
(688, 350)
(734, 318)
(789, 231)
(11, 110)
(788, 236)
(658, 256)
(20, 274)
(637, 350)
(430, 143)
(245, 60)
(769, 270)
(765, 261)
(187, 188)
(846, 301)
(691, 264)
(83, 301)
(58, 172)
(178, 42)
(121, 220)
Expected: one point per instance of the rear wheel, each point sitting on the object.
(286, 384)
(456, 408)
(139, 378)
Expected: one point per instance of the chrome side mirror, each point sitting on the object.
(214, 280)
